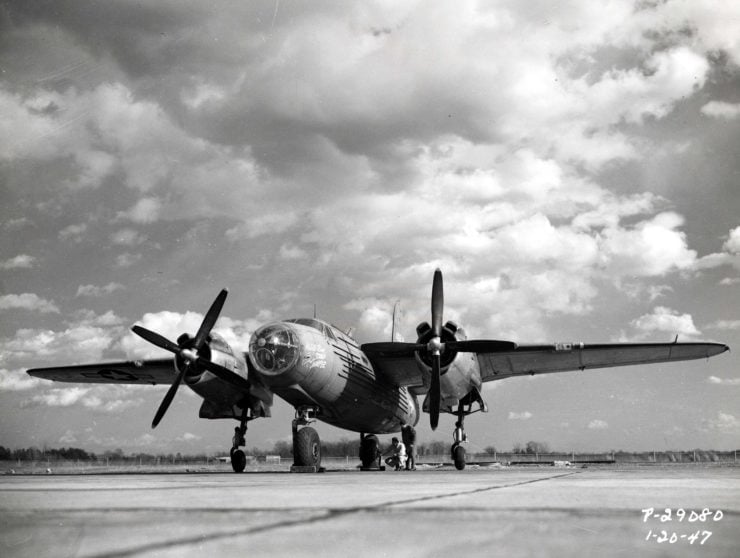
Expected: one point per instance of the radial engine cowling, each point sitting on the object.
(450, 332)
(215, 349)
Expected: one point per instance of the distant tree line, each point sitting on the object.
(36, 454)
(341, 448)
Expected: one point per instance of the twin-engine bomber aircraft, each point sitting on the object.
(371, 389)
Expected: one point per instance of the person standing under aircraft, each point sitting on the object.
(408, 435)
(398, 458)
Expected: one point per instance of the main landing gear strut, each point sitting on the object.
(238, 458)
(306, 442)
(370, 455)
(459, 437)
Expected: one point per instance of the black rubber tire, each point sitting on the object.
(369, 448)
(238, 460)
(307, 448)
(458, 454)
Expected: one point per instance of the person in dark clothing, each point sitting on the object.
(408, 435)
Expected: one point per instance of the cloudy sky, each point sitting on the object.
(572, 167)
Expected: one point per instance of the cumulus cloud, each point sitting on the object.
(730, 256)
(665, 320)
(598, 424)
(651, 248)
(724, 422)
(172, 324)
(21, 261)
(95, 291)
(725, 324)
(78, 343)
(127, 237)
(732, 244)
(494, 168)
(98, 398)
(16, 380)
(127, 259)
(73, 233)
(146, 210)
(724, 381)
(58, 397)
(721, 109)
(525, 415)
(28, 301)
(69, 437)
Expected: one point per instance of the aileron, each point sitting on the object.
(563, 357)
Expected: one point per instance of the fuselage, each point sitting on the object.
(311, 363)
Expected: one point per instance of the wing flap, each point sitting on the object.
(159, 371)
(563, 357)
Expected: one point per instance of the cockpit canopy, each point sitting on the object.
(325, 329)
(218, 343)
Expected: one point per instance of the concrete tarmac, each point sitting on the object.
(482, 511)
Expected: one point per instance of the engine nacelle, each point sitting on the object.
(217, 350)
(450, 332)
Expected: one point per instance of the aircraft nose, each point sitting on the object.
(274, 349)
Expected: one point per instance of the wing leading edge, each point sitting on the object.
(158, 371)
(564, 357)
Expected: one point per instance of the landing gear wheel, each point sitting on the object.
(458, 456)
(238, 460)
(307, 448)
(369, 451)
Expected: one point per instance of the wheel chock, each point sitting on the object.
(306, 469)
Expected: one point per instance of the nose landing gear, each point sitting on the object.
(238, 458)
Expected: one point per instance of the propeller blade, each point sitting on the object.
(387, 348)
(224, 374)
(156, 339)
(438, 301)
(210, 319)
(169, 396)
(481, 346)
(434, 394)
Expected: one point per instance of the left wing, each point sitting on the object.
(402, 370)
(564, 357)
(158, 371)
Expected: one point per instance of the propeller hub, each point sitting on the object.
(190, 355)
(435, 345)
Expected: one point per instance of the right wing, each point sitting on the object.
(563, 357)
(158, 371)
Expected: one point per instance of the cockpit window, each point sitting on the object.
(217, 342)
(308, 322)
(316, 324)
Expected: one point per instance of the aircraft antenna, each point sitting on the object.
(314, 311)
(395, 317)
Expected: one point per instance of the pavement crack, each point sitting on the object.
(328, 515)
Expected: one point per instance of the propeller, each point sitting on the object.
(435, 348)
(187, 348)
